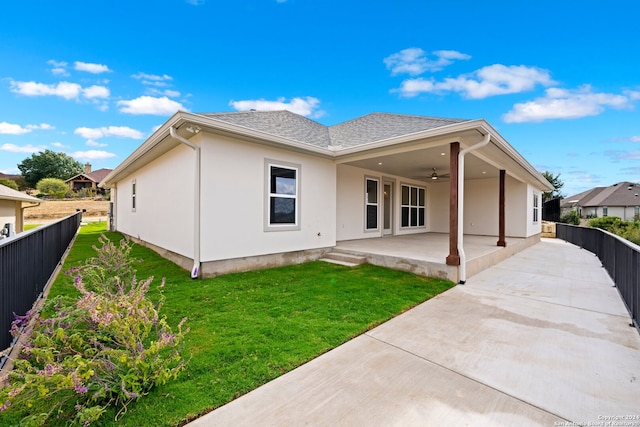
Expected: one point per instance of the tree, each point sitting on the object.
(557, 185)
(49, 164)
(53, 187)
(8, 183)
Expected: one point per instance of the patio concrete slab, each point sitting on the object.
(539, 339)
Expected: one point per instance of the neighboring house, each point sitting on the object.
(88, 179)
(236, 191)
(12, 206)
(621, 200)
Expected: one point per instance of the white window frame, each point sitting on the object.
(269, 195)
(605, 211)
(371, 204)
(133, 195)
(411, 205)
(536, 208)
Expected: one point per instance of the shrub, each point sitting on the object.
(109, 347)
(570, 218)
(53, 187)
(9, 183)
(608, 223)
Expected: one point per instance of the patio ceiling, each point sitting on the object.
(419, 164)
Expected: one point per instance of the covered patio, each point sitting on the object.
(426, 253)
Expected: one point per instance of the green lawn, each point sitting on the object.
(249, 328)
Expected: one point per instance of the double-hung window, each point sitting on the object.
(536, 207)
(412, 212)
(283, 200)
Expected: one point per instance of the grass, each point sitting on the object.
(249, 328)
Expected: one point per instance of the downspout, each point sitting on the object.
(462, 268)
(195, 270)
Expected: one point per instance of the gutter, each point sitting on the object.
(462, 268)
(195, 270)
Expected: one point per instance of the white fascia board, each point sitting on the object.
(511, 152)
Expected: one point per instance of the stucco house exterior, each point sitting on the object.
(234, 191)
(620, 199)
(12, 206)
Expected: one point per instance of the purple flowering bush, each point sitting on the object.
(109, 347)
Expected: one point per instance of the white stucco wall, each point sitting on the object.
(164, 202)
(533, 227)
(625, 213)
(233, 201)
(7, 212)
(516, 208)
(438, 207)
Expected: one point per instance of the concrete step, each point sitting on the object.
(344, 258)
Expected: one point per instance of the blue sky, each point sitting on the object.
(559, 80)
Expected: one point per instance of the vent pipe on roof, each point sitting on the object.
(462, 268)
(195, 270)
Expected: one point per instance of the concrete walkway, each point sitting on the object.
(542, 338)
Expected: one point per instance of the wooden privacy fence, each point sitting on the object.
(618, 256)
(27, 262)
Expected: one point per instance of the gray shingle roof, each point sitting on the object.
(615, 195)
(362, 130)
(379, 126)
(279, 123)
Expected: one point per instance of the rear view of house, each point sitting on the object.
(227, 192)
(619, 200)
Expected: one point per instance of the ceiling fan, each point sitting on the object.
(435, 176)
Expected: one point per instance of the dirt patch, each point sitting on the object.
(56, 209)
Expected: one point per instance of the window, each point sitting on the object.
(605, 210)
(283, 181)
(636, 213)
(412, 206)
(371, 204)
(133, 195)
(536, 208)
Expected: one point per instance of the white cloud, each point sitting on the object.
(153, 79)
(59, 68)
(14, 129)
(635, 138)
(488, 81)
(414, 61)
(304, 106)
(167, 92)
(119, 131)
(90, 67)
(65, 90)
(22, 149)
(92, 143)
(195, 2)
(92, 155)
(95, 91)
(634, 95)
(59, 145)
(565, 104)
(623, 155)
(162, 106)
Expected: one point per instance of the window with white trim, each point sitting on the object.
(282, 205)
(371, 204)
(605, 211)
(412, 207)
(133, 195)
(536, 207)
